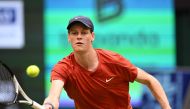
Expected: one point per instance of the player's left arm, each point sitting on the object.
(155, 87)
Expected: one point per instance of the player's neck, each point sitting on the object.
(87, 60)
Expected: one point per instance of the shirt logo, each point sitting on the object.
(109, 79)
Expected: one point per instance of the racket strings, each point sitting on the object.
(7, 87)
(5, 74)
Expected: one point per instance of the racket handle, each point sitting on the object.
(37, 105)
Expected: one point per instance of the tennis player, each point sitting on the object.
(96, 78)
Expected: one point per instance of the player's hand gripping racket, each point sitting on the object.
(10, 89)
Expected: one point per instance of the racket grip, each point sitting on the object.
(36, 105)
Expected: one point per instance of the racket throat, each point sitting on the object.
(30, 103)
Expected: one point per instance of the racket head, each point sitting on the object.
(8, 93)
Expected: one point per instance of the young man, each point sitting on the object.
(96, 78)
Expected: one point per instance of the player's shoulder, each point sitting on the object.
(66, 60)
(108, 54)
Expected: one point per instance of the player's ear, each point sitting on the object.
(93, 36)
(69, 40)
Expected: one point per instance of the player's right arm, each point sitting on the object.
(54, 94)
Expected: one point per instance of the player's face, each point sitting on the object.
(80, 37)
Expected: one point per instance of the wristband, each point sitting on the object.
(50, 105)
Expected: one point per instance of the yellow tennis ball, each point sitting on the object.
(32, 71)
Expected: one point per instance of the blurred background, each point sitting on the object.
(153, 35)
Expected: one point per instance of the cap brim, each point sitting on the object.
(77, 21)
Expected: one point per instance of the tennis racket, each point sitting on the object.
(10, 89)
